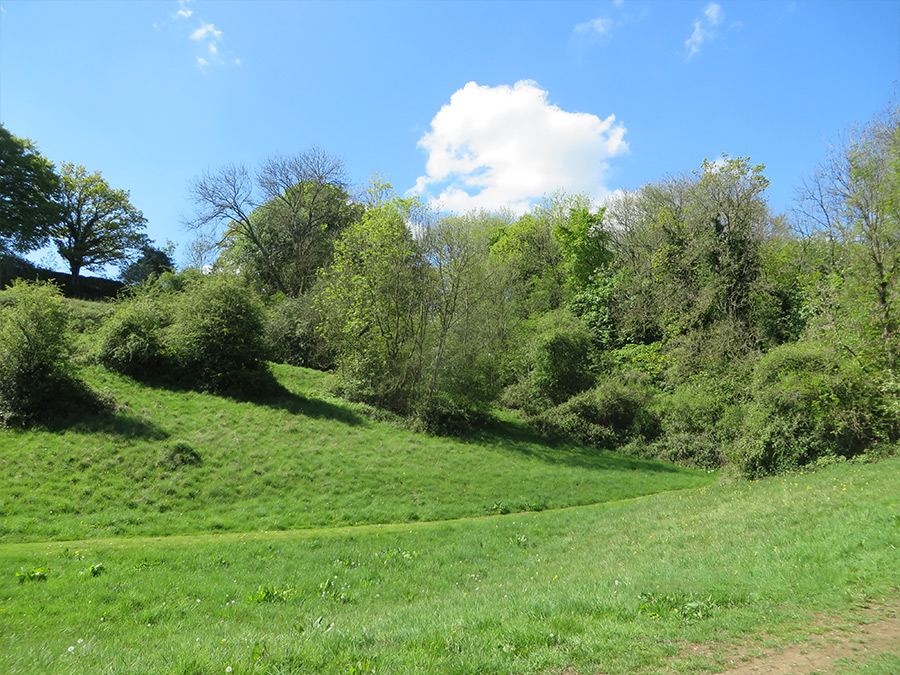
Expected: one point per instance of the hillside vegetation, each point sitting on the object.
(175, 462)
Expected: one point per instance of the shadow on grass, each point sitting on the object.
(521, 440)
(258, 388)
(278, 397)
(110, 423)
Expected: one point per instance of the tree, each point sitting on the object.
(97, 224)
(853, 200)
(279, 225)
(375, 303)
(690, 250)
(152, 260)
(28, 186)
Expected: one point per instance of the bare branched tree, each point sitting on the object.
(281, 213)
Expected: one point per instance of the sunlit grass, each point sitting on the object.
(299, 459)
(615, 588)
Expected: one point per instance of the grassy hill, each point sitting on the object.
(177, 462)
(195, 534)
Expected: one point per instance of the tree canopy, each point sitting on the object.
(28, 191)
(97, 224)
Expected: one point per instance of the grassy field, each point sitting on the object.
(623, 586)
(177, 462)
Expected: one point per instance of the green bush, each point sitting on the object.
(699, 420)
(561, 356)
(809, 402)
(446, 415)
(131, 341)
(36, 380)
(292, 337)
(215, 341)
(618, 409)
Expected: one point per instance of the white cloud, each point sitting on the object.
(704, 28)
(598, 26)
(202, 62)
(494, 147)
(206, 31)
(184, 13)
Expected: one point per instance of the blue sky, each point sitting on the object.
(467, 104)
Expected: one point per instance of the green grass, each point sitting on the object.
(620, 587)
(189, 534)
(297, 460)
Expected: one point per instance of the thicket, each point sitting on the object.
(188, 330)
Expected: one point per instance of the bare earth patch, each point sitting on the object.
(877, 633)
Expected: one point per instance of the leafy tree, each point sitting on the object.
(279, 225)
(375, 303)
(470, 322)
(152, 261)
(216, 340)
(97, 224)
(28, 187)
(689, 248)
(853, 201)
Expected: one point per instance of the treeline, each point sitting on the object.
(682, 320)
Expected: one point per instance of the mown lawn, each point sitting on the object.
(621, 587)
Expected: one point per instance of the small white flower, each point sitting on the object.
(80, 640)
(228, 669)
(71, 648)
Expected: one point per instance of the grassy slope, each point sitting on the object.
(617, 588)
(299, 460)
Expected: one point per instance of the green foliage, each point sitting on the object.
(34, 574)
(202, 332)
(152, 261)
(617, 410)
(36, 379)
(699, 419)
(216, 337)
(584, 245)
(266, 594)
(178, 455)
(374, 303)
(557, 357)
(808, 402)
(98, 225)
(292, 335)
(28, 187)
(132, 340)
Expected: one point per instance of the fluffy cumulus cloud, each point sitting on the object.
(494, 147)
(704, 28)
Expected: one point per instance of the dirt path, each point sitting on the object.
(878, 633)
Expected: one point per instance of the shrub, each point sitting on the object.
(444, 414)
(699, 420)
(216, 338)
(180, 454)
(613, 412)
(560, 356)
(808, 402)
(36, 381)
(131, 341)
(291, 335)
